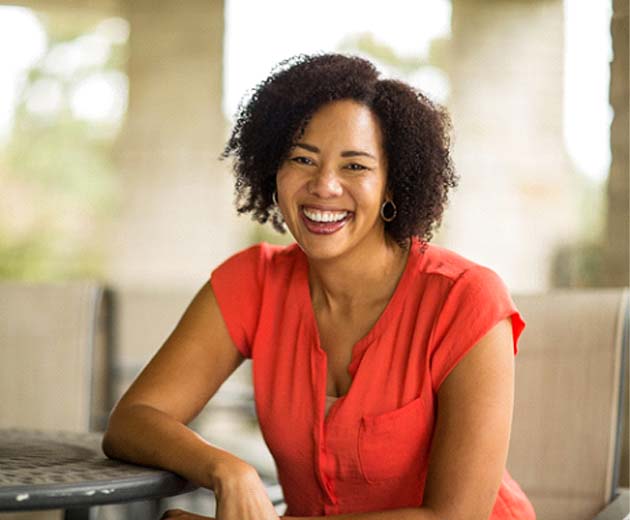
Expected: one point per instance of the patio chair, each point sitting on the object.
(566, 433)
(143, 318)
(53, 356)
(54, 361)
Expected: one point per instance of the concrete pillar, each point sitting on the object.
(516, 199)
(176, 220)
(618, 188)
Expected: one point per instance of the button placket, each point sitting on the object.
(320, 362)
(328, 472)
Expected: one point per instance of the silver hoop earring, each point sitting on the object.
(274, 197)
(388, 210)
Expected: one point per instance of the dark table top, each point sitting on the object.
(49, 470)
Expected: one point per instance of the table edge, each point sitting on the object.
(98, 492)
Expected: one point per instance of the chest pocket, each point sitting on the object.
(396, 444)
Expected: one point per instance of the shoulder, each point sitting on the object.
(239, 285)
(455, 269)
(259, 259)
(471, 300)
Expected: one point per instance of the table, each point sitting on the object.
(63, 470)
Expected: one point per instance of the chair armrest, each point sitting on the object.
(618, 508)
(275, 493)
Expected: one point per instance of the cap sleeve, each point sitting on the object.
(237, 285)
(476, 302)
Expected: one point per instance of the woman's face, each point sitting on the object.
(333, 182)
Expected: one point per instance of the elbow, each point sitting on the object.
(126, 426)
(107, 445)
(109, 441)
(114, 436)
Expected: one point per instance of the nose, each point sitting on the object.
(325, 183)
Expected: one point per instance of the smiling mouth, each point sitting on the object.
(324, 222)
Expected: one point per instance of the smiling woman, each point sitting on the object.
(383, 365)
(413, 137)
(333, 182)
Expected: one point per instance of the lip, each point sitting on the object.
(324, 228)
(322, 208)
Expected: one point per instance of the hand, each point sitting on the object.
(241, 495)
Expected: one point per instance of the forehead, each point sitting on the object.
(344, 123)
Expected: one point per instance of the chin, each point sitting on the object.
(322, 253)
(323, 248)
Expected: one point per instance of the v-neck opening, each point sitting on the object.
(382, 322)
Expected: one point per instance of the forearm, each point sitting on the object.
(147, 436)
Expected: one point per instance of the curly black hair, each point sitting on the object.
(415, 133)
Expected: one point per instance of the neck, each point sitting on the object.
(350, 282)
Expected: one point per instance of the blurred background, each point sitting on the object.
(113, 114)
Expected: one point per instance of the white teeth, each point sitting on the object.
(325, 216)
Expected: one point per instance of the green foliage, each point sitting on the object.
(64, 159)
(367, 43)
(402, 67)
(46, 256)
(57, 173)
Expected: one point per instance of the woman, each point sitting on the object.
(383, 365)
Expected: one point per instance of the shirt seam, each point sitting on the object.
(431, 341)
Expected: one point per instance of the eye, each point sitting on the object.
(355, 167)
(300, 159)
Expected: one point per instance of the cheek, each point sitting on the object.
(289, 184)
(287, 180)
(282, 185)
(372, 190)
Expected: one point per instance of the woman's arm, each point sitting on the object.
(148, 424)
(471, 437)
(472, 434)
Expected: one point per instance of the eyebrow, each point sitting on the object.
(345, 153)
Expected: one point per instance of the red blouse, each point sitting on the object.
(370, 452)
